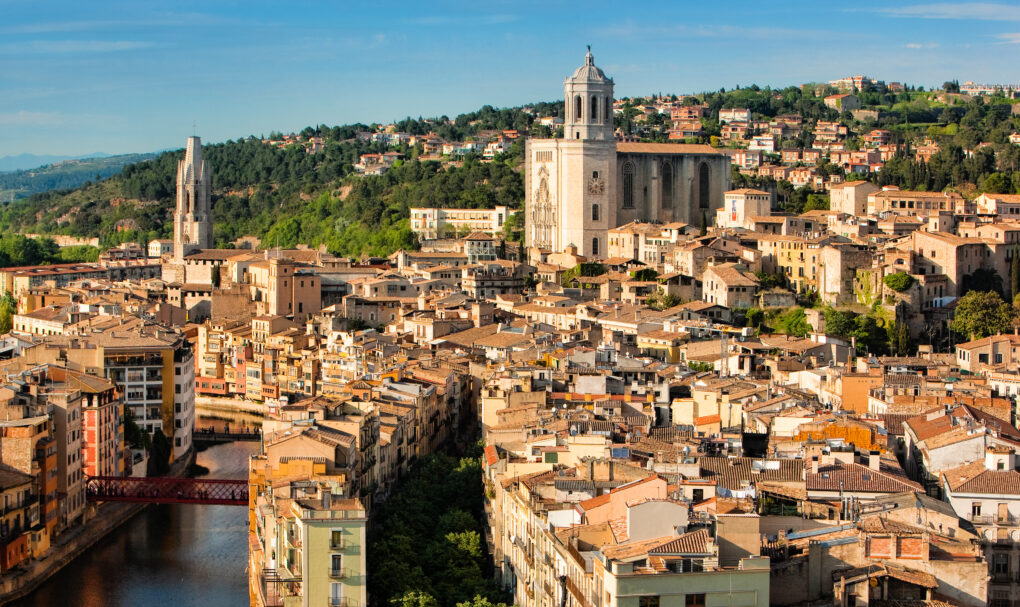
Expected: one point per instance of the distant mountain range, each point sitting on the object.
(31, 161)
(62, 174)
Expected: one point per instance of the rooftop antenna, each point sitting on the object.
(194, 126)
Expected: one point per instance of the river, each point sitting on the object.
(176, 555)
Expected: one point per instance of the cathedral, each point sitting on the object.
(586, 183)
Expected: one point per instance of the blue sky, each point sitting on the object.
(117, 77)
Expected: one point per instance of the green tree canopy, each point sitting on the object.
(982, 313)
(793, 322)
(899, 281)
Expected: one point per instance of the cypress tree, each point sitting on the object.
(1014, 273)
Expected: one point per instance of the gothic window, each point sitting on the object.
(667, 186)
(577, 108)
(704, 186)
(594, 246)
(594, 116)
(628, 185)
(594, 212)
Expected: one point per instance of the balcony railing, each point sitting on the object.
(337, 601)
(339, 572)
(994, 519)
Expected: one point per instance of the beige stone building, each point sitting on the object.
(729, 285)
(741, 205)
(283, 287)
(919, 204)
(851, 197)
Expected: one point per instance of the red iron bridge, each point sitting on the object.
(164, 490)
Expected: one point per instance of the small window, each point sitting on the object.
(594, 212)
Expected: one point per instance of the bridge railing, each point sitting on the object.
(164, 490)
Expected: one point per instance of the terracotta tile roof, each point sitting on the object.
(737, 472)
(924, 428)
(491, 457)
(694, 542)
(747, 191)
(987, 341)
(634, 549)
(212, 255)
(603, 499)
(619, 528)
(731, 276)
(975, 478)
(859, 478)
(666, 148)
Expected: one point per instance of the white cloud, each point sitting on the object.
(1010, 38)
(25, 118)
(982, 11)
(921, 45)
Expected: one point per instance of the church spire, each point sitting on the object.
(193, 213)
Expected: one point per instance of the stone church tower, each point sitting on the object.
(569, 181)
(193, 214)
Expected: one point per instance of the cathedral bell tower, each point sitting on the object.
(588, 108)
(570, 183)
(193, 213)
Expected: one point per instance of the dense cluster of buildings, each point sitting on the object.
(643, 448)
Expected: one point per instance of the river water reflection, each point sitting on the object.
(178, 555)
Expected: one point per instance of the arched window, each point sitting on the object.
(577, 108)
(704, 186)
(594, 246)
(594, 212)
(667, 185)
(594, 116)
(628, 185)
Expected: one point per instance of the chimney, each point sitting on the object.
(873, 460)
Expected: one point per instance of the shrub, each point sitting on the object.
(899, 282)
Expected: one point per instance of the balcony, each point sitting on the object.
(338, 573)
(339, 601)
(994, 519)
(336, 544)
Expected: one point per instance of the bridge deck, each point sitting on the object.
(163, 490)
(224, 437)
